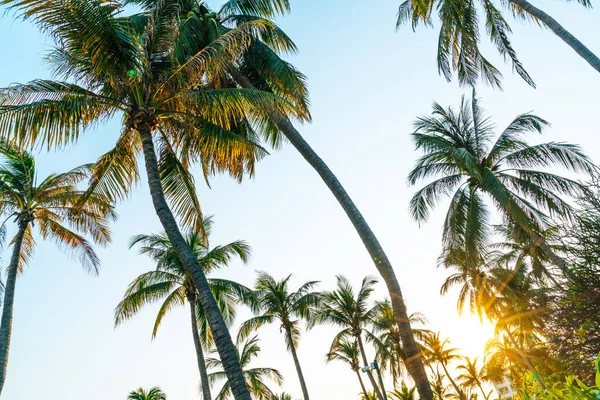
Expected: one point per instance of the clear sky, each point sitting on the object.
(368, 83)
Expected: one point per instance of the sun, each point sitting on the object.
(470, 335)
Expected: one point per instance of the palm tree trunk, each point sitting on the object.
(214, 318)
(561, 32)
(199, 352)
(528, 363)
(414, 363)
(369, 373)
(482, 391)
(297, 364)
(9, 299)
(362, 384)
(458, 391)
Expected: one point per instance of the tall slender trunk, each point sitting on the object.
(198, 345)
(525, 359)
(217, 325)
(297, 363)
(561, 32)
(414, 363)
(362, 384)
(369, 373)
(482, 391)
(458, 391)
(9, 299)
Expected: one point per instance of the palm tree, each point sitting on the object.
(259, 67)
(390, 351)
(459, 146)
(52, 205)
(520, 314)
(348, 352)
(171, 283)
(458, 47)
(518, 248)
(254, 377)
(153, 394)
(282, 396)
(437, 350)
(405, 393)
(276, 302)
(479, 286)
(472, 376)
(350, 311)
(136, 68)
(438, 386)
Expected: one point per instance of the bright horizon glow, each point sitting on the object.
(368, 84)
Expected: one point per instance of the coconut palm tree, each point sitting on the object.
(172, 284)
(479, 287)
(349, 310)
(348, 352)
(518, 249)
(471, 375)
(437, 350)
(282, 396)
(520, 314)
(439, 387)
(277, 303)
(153, 394)
(459, 39)
(53, 205)
(459, 147)
(254, 377)
(390, 352)
(405, 393)
(260, 67)
(136, 69)
(369, 396)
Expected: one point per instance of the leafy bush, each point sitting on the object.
(571, 389)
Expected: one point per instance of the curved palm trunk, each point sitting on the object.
(9, 298)
(482, 391)
(369, 373)
(297, 364)
(199, 352)
(414, 363)
(217, 325)
(561, 32)
(528, 363)
(362, 384)
(458, 391)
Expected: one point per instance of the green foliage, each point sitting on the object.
(255, 377)
(571, 389)
(153, 394)
(172, 284)
(54, 206)
(277, 302)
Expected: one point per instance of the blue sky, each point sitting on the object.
(368, 83)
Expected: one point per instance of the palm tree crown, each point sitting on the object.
(254, 377)
(459, 147)
(54, 206)
(153, 394)
(171, 282)
(459, 38)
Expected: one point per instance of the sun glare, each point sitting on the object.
(470, 335)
